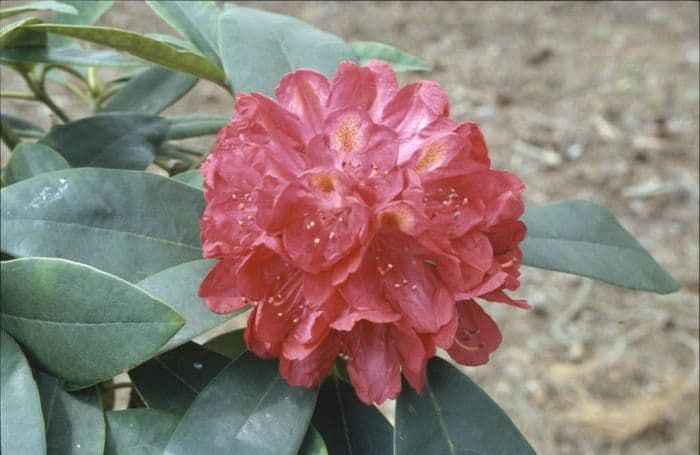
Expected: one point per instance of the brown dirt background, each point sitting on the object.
(593, 101)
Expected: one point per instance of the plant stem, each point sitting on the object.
(19, 96)
(39, 91)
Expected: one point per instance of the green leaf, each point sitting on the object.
(347, 425)
(192, 178)
(12, 33)
(88, 13)
(71, 315)
(172, 381)
(399, 60)
(69, 56)
(313, 443)
(21, 422)
(193, 125)
(73, 420)
(141, 46)
(197, 21)
(45, 5)
(28, 160)
(179, 287)
(582, 238)
(130, 224)
(247, 409)
(20, 127)
(138, 431)
(230, 344)
(117, 140)
(453, 416)
(173, 41)
(151, 91)
(257, 48)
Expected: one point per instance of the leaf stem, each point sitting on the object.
(117, 385)
(37, 87)
(19, 96)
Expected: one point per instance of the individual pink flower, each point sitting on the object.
(359, 221)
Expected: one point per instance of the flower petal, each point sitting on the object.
(304, 93)
(220, 287)
(477, 335)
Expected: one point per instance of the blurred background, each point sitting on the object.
(595, 101)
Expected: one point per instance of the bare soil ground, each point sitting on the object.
(593, 101)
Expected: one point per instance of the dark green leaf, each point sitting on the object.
(173, 152)
(21, 424)
(70, 315)
(130, 224)
(257, 48)
(453, 416)
(73, 420)
(230, 344)
(141, 46)
(117, 140)
(151, 91)
(69, 56)
(191, 178)
(138, 431)
(172, 381)
(247, 409)
(347, 425)
(179, 287)
(88, 13)
(43, 5)
(186, 126)
(20, 127)
(582, 238)
(197, 21)
(12, 33)
(399, 60)
(313, 444)
(28, 160)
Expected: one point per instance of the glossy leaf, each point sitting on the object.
(9, 33)
(141, 46)
(73, 420)
(582, 238)
(179, 287)
(453, 416)
(68, 315)
(247, 409)
(172, 152)
(69, 56)
(187, 126)
(117, 140)
(88, 12)
(43, 5)
(172, 381)
(20, 127)
(399, 60)
(138, 431)
(192, 178)
(347, 425)
(29, 159)
(151, 91)
(197, 21)
(230, 344)
(130, 224)
(21, 421)
(313, 443)
(257, 48)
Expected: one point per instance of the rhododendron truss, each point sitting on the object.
(359, 221)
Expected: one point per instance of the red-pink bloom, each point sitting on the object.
(358, 220)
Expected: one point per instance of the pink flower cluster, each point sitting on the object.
(359, 221)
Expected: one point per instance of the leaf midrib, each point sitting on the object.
(440, 419)
(89, 324)
(86, 226)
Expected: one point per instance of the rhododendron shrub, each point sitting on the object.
(358, 229)
(359, 220)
